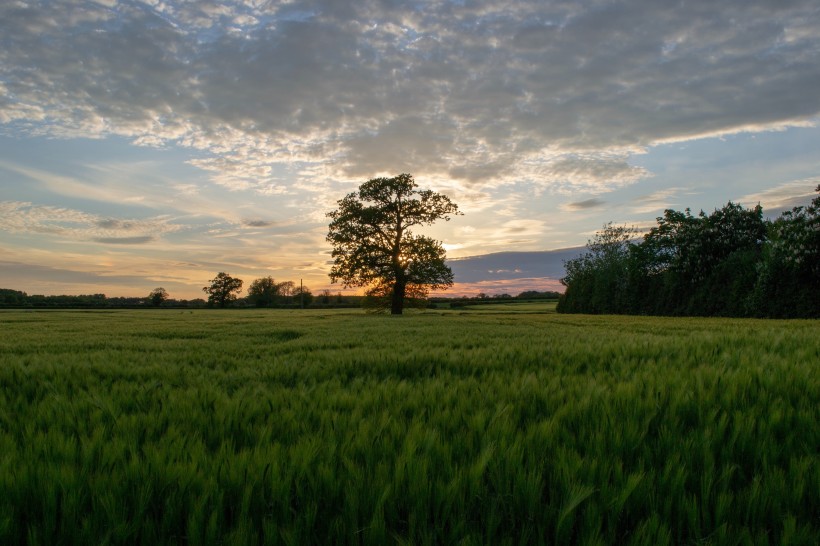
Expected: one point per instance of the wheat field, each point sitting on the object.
(496, 425)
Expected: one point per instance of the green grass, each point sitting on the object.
(515, 307)
(508, 425)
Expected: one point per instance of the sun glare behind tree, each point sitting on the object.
(373, 244)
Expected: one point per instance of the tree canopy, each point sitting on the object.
(223, 289)
(158, 296)
(263, 292)
(731, 262)
(266, 292)
(374, 245)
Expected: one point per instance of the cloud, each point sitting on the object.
(41, 279)
(521, 227)
(54, 274)
(784, 196)
(140, 240)
(558, 94)
(592, 171)
(585, 204)
(110, 223)
(69, 224)
(512, 265)
(657, 201)
(257, 223)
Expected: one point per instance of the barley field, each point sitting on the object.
(497, 425)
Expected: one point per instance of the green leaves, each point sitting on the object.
(728, 263)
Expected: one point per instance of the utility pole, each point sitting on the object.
(301, 295)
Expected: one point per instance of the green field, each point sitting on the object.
(490, 425)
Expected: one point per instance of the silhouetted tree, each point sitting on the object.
(12, 297)
(302, 295)
(286, 291)
(325, 296)
(536, 295)
(373, 244)
(158, 296)
(223, 289)
(263, 292)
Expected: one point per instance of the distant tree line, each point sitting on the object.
(264, 292)
(18, 299)
(223, 291)
(732, 262)
(482, 298)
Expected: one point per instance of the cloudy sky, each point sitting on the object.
(158, 142)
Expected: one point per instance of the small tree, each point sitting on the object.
(302, 296)
(373, 244)
(286, 291)
(263, 292)
(325, 296)
(223, 289)
(158, 296)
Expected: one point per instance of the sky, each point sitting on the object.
(158, 142)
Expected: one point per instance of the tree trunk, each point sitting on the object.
(397, 303)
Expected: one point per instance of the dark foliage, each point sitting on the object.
(158, 296)
(223, 289)
(264, 292)
(729, 263)
(17, 299)
(374, 246)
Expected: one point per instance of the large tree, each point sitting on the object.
(374, 246)
(223, 289)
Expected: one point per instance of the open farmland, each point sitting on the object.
(502, 425)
